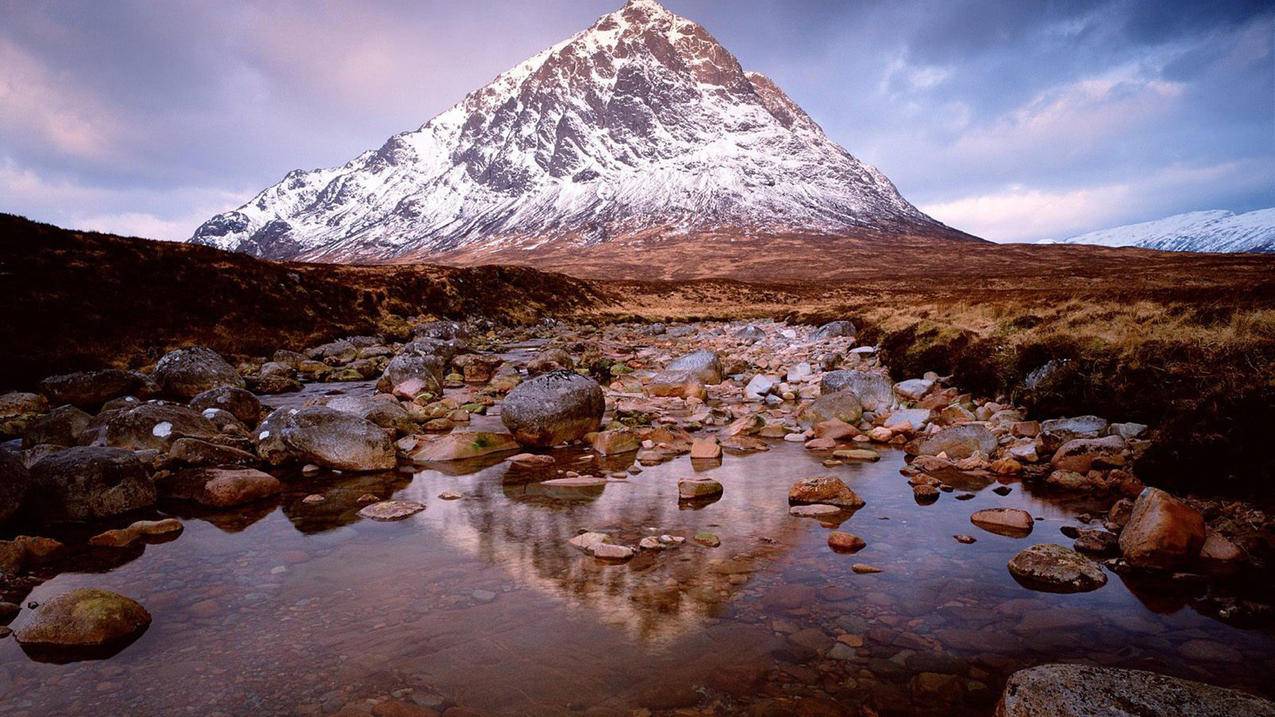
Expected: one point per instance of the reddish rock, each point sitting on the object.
(1011, 522)
(843, 542)
(829, 490)
(1162, 533)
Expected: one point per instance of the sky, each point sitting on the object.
(1015, 120)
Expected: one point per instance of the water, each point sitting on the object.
(289, 608)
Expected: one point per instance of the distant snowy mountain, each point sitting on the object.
(1208, 231)
(640, 125)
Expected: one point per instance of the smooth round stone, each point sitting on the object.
(1053, 568)
(391, 510)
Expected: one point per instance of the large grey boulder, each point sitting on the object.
(875, 391)
(186, 373)
(703, 365)
(15, 482)
(1056, 569)
(1059, 690)
(413, 373)
(381, 409)
(834, 329)
(338, 440)
(60, 427)
(90, 389)
(238, 401)
(155, 425)
(553, 408)
(1057, 431)
(89, 483)
(957, 442)
(840, 406)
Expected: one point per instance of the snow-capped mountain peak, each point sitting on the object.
(643, 123)
(1215, 230)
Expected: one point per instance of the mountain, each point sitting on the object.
(1215, 230)
(642, 127)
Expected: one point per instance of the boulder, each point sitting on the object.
(553, 359)
(553, 408)
(913, 389)
(758, 386)
(1011, 522)
(221, 487)
(268, 437)
(841, 406)
(834, 329)
(459, 446)
(874, 390)
(237, 401)
(60, 427)
(698, 488)
(1163, 533)
(186, 373)
(194, 452)
(750, 333)
(1082, 454)
(1061, 690)
(89, 483)
(827, 490)
(18, 410)
(682, 384)
(83, 622)
(382, 409)
(1053, 568)
(155, 426)
(957, 442)
(337, 440)
(703, 365)
(423, 371)
(706, 448)
(913, 419)
(15, 482)
(90, 389)
(391, 510)
(611, 443)
(1058, 431)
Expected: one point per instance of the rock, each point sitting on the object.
(799, 373)
(706, 448)
(83, 622)
(1053, 568)
(553, 359)
(338, 440)
(89, 483)
(124, 537)
(681, 384)
(1218, 550)
(857, 454)
(1058, 431)
(553, 408)
(703, 365)
(616, 442)
(913, 389)
(957, 442)
(1060, 690)
(221, 487)
(1096, 542)
(815, 510)
(843, 542)
(698, 488)
(458, 446)
(925, 493)
(589, 540)
(1127, 430)
(828, 490)
(239, 402)
(908, 419)
(90, 389)
(707, 539)
(186, 373)
(1082, 454)
(530, 460)
(1163, 533)
(607, 551)
(750, 333)
(834, 329)
(155, 426)
(874, 390)
(1011, 522)
(389, 510)
(15, 483)
(880, 434)
(18, 410)
(411, 374)
(60, 427)
(865, 569)
(965, 539)
(268, 437)
(381, 409)
(194, 452)
(841, 406)
(758, 387)
(835, 430)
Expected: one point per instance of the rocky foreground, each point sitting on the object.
(98, 459)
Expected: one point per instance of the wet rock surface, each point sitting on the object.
(1081, 690)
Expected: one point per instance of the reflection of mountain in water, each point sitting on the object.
(659, 594)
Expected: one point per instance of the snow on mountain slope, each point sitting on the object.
(641, 123)
(1215, 230)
